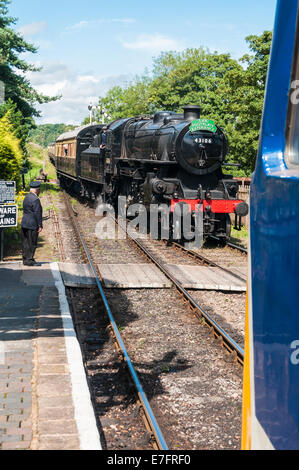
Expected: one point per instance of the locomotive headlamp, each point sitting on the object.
(208, 195)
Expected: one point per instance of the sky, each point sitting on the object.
(87, 47)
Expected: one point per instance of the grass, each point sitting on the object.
(12, 237)
(240, 235)
(38, 158)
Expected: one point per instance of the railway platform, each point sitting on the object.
(45, 402)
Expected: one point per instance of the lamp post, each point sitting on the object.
(103, 114)
(91, 109)
(90, 113)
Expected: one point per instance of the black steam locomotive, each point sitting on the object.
(165, 159)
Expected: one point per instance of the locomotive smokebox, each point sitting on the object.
(191, 112)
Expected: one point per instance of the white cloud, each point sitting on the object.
(77, 91)
(32, 29)
(91, 23)
(154, 43)
(88, 78)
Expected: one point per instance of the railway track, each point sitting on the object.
(237, 247)
(178, 363)
(157, 438)
(233, 246)
(225, 340)
(203, 260)
(216, 330)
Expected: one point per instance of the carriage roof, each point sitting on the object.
(78, 132)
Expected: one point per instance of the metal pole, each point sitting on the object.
(90, 113)
(2, 244)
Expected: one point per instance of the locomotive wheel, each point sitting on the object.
(223, 228)
(228, 227)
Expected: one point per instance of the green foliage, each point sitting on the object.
(21, 98)
(44, 134)
(20, 124)
(11, 155)
(132, 100)
(245, 88)
(230, 92)
(194, 76)
(12, 67)
(38, 159)
(240, 234)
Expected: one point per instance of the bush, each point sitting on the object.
(11, 155)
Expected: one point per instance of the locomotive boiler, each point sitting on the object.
(169, 158)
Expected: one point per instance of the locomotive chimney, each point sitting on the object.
(191, 112)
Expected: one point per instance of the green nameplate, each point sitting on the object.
(203, 125)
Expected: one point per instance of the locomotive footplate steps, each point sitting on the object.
(133, 276)
(207, 278)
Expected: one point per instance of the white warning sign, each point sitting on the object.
(8, 216)
(7, 192)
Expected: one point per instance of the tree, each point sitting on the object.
(20, 125)
(132, 100)
(44, 134)
(11, 155)
(21, 97)
(230, 92)
(194, 76)
(243, 94)
(13, 68)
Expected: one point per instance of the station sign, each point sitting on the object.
(8, 216)
(7, 192)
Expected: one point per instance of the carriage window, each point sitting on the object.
(292, 130)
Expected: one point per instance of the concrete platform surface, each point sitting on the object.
(44, 397)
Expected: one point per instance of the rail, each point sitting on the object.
(149, 416)
(226, 341)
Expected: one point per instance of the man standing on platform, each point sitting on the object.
(32, 224)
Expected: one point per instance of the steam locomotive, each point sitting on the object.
(170, 158)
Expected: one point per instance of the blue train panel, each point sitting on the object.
(271, 377)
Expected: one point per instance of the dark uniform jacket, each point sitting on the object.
(104, 138)
(32, 212)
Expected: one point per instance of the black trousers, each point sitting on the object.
(29, 244)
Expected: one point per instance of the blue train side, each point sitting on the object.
(271, 377)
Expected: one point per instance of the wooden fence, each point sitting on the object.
(244, 193)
